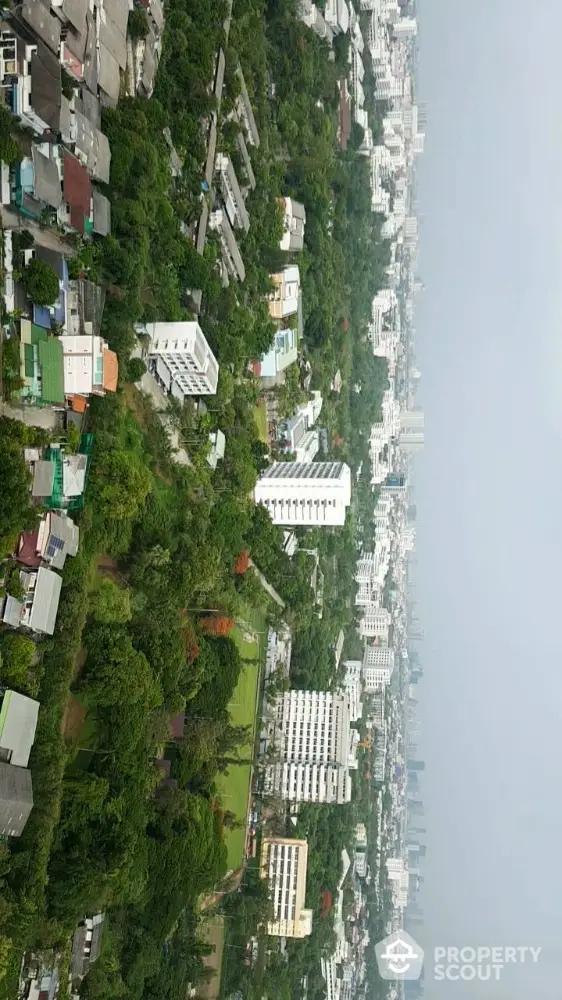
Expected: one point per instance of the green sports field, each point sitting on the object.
(234, 785)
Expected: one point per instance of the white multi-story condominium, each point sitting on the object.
(405, 28)
(375, 623)
(312, 740)
(305, 493)
(360, 863)
(283, 864)
(378, 664)
(361, 835)
(380, 751)
(399, 878)
(352, 687)
(182, 359)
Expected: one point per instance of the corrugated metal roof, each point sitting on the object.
(18, 722)
(102, 213)
(28, 360)
(16, 799)
(38, 333)
(46, 86)
(12, 612)
(75, 12)
(45, 602)
(52, 371)
(43, 479)
(109, 79)
(77, 191)
(45, 25)
(46, 179)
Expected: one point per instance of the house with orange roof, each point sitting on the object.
(89, 367)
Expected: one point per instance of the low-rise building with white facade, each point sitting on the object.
(307, 494)
(181, 359)
(283, 864)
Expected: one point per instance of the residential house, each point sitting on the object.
(16, 799)
(102, 213)
(37, 611)
(59, 478)
(37, 185)
(18, 722)
(296, 435)
(86, 945)
(294, 220)
(89, 367)
(50, 543)
(84, 138)
(76, 211)
(218, 444)
(284, 352)
(30, 79)
(41, 360)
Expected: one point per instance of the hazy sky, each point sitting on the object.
(489, 483)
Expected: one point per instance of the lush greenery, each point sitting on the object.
(161, 542)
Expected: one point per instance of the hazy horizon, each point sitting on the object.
(488, 485)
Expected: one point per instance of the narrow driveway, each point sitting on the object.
(44, 237)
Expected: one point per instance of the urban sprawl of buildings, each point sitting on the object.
(310, 740)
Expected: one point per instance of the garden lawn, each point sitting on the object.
(260, 417)
(233, 785)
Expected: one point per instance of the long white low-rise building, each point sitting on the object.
(306, 493)
(284, 863)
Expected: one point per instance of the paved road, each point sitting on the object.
(44, 237)
(48, 419)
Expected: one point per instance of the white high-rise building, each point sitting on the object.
(312, 739)
(352, 687)
(306, 493)
(375, 623)
(181, 359)
(405, 28)
(411, 436)
(378, 664)
(283, 863)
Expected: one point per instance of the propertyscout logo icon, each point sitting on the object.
(399, 957)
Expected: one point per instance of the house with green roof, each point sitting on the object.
(41, 366)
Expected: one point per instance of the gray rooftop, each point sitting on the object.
(45, 602)
(66, 531)
(43, 479)
(18, 722)
(16, 799)
(75, 12)
(88, 105)
(113, 30)
(46, 86)
(12, 611)
(45, 25)
(47, 180)
(102, 213)
(94, 146)
(109, 79)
